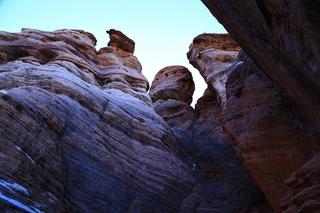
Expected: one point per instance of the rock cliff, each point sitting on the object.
(79, 133)
(269, 110)
(222, 182)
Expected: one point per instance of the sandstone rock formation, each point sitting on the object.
(282, 37)
(171, 92)
(78, 133)
(304, 193)
(222, 180)
(269, 136)
(212, 55)
(271, 113)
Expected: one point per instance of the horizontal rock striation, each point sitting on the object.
(222, 182)
(78, 133)
(267, 133)
(171, 92)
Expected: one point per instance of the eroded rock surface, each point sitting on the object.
(271, 136)
(171, 92)
(282, 37)
(78, 133)
(212, 55)
(222, 180)
(304, 184)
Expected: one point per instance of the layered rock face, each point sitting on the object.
(78, 131)
(171, 92)
(282, 38)
(271, 112)
(222, 182)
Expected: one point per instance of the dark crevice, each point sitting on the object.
(266, 14)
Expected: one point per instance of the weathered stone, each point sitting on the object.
(212, 55)
(269, 136)
(222, 180)
(78, 133)
(264, 130)
(121, 41)
(281, 37)
(173, 82)
(304, 193)
(171, 91)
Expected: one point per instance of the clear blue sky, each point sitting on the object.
(162, 30)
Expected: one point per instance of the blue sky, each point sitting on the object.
(162, 30)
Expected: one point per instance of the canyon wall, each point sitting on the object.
(79, 133)
(271, 110)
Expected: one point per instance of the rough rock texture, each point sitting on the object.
(282, 37)
(304, 193)
(78, 133)
(223, 183)
(271, 112)
(212, 55)
(118, 39)
(171, 91)
(267, 133)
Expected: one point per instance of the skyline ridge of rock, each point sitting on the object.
(80, 132)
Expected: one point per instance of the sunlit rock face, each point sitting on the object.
(212, 55)
(78, 131)
(271, 115)
(171, 92)
(222, 182)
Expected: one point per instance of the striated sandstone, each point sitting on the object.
(212, 55)
(222, 181)
(78, 133)
(282, 40)
(173, 82)
(121, 41)
(171, 93)
(282, 37)
(267, 133)
(270, 137)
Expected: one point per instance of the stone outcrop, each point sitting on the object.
(282, 37)
(221, 179)
(171, 92)
(212, 55)
(271, 109)
(78, 133)
(121, 41)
